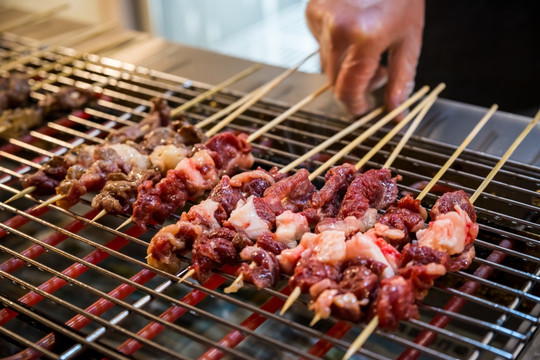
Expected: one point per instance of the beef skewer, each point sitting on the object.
(357, 344)
(184, 107)
(117, 151)
(17, 116)
(440, 173)
(346, 172)
(159, 259)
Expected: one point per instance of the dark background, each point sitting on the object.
(486, 51)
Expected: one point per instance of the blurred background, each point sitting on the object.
(486, 51)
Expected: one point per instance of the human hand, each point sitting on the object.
(353, 34)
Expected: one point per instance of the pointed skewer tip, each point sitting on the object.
(125, 223)
(50, 201)
(101, 214)
(295, 294)
(361, 339)
(315, 320)
(188, 274)
(20, 194)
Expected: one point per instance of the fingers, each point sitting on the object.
(356, 77)
(402, 62)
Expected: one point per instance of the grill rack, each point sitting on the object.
(499, 320)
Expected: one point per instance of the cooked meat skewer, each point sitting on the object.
(17, 116)
(14, 91)
(72, 166)
(51, 100)
(160, 254)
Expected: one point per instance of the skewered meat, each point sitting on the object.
(49, 176)
(67, 98)
(450, 232)
(265, 271)
(15, 122)
(395, 302)
(14, 91)
(120, 191)
(406, 217)
(159, 116)
(174, 239)
(351, 292)
(327, 201)
(373, 189)
(191, 177)
(447, 203)
(108, 159)
(291, 193)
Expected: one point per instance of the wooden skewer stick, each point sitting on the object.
(505, 157)
(295, 294)
(101, 214)
(421, 111)
(205, 95)
(50, 201)
(21, 193)
(458, 151)
(372, 325)
(355, 126)
(242, 101)
(426, 103)
(370, 132)
(393, 155)
(288, 112)
(259, 93)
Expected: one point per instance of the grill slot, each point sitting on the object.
(110, 287)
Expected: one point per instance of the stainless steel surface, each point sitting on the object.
(103, 293)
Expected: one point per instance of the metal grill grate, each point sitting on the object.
(72, 288)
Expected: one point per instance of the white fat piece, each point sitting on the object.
(189, 167)
(290, 227)
(448, 233)
(129, 154)
(207, 208)
(245, 217)
(166, 157)
(362, 245)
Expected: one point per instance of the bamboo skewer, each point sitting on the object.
(362, 121)
(372, 325)
(205, 95)
(259, 93)
(419, 110)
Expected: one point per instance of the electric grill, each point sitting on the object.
(73, 288)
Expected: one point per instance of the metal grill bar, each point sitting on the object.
(140, 83)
